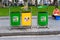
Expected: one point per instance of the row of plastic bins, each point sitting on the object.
(25, 19)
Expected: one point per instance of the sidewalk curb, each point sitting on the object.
(30, 33)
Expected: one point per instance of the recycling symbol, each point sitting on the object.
(15, 18)
(43, 18)
(26, 18)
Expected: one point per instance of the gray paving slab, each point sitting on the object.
(53, 25)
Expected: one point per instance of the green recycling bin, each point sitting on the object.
(42, 18)
(15, 18)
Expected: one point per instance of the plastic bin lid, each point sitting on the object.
(42, 12)
(42, 6)
(14, 12)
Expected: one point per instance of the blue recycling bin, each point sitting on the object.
(57, 17)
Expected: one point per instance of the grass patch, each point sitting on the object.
(15, 9)
(50, 10)
(5, 11)
(34, 11)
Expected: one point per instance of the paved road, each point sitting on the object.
(35, 37)
(53, 25)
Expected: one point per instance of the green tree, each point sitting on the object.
(50, 2)
(36, 3)
(26, 5)
(55, 3)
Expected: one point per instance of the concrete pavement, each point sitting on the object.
(53, 27)
(34, 37)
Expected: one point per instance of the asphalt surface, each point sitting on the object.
(53, 27)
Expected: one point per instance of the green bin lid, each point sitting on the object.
(14, 12)
(42, 6)
(42, 12)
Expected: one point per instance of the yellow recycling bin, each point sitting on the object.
(26, 19)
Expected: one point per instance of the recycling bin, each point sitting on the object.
(26, 19)
(57, 17)
(42, 19)
(15, 18)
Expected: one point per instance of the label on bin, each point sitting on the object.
(15, 18)
(43, 18)
(26, 18)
